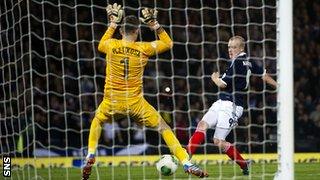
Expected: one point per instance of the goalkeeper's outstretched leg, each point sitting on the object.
(177, 150)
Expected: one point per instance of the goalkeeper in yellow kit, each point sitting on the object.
(126, 60)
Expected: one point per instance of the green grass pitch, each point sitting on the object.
(305, 171)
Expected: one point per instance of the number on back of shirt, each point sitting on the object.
(125, 63)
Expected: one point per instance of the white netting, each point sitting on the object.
(52, 75)
(15, 83)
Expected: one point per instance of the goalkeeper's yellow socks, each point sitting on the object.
(94, 135)
(175, 146)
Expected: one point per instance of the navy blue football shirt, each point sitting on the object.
(236, 78)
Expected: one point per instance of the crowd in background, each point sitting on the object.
(306, 74)
(68, 75)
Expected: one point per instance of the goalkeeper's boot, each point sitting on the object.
(195, 170)
(86, 171)
(245, 171)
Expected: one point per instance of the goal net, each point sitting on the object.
(52, 79)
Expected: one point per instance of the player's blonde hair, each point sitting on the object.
(240, 39)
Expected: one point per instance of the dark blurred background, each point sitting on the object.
(52, 75)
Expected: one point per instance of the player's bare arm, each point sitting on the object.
(267, 78)
(218, 81)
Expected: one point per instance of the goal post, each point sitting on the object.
(285, 92)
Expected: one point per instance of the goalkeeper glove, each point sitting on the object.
(149, 17)
(115, 13)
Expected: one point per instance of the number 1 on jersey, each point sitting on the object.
(125, 62)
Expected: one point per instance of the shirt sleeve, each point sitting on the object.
(226, 78)
(256, 68)
(159, 46)
(236, 72)
(104, 42)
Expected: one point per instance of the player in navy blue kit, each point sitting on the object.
(223, 115)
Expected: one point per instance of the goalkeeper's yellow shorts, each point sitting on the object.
(139, 110)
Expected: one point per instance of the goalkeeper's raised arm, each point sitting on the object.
(115, 14)
(149, 17)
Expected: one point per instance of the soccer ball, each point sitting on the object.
(167, 164)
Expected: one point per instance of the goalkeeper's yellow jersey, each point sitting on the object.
(125, 63)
